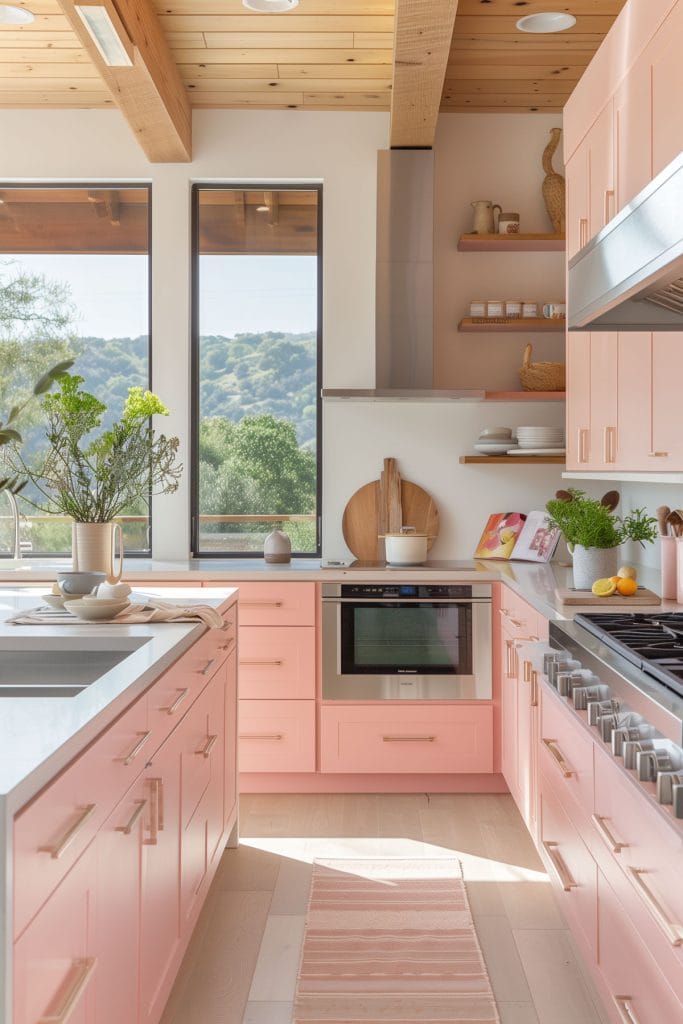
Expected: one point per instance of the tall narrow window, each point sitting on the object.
(74, 283)
(257, 288)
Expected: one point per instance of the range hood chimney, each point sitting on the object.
(404, 298)
(630, 276)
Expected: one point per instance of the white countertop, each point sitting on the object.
(39, 736)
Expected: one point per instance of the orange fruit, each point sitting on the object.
(615, 579)
(626, 587)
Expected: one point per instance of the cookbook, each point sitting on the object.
(526, 537)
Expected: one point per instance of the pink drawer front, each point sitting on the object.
(412, 738)
(52, 831)
(567, 752)
(171, 696)
(570, 863)
(277, 736)
(277, 604)
(277, 663)
(639, 990)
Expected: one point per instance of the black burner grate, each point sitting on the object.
(652, 641)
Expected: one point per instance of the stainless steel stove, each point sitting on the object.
(653, 642)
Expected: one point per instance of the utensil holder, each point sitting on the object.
(679, 569)
(669, 553)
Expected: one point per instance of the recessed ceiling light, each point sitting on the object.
(550, 21)
(14, 15)
(270, 6)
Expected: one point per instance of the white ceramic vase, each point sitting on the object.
(277, 547)
(93, 548)
(591, 564)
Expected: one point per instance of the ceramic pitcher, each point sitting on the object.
(484, 216)
(93, 546)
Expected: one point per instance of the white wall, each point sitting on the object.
(477, 156)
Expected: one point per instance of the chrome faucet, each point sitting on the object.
(16, 526)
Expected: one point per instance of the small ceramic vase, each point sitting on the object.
(277, 547)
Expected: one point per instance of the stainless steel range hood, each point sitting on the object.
(630, 276)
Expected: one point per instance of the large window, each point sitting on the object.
(256, 367)
(74, 282)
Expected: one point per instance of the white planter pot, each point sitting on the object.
(591, 564)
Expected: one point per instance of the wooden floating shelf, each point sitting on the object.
(507, 460)
(519, 325)
(512, 243)
(525, 396)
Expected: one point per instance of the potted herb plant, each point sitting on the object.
(593, 532)
(94, 477)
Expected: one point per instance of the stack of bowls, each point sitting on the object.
(540, 439)
(494, 441)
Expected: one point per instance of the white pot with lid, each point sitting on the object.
(406, 548)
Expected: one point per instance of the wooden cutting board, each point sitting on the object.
(641, 596)
(383, 506)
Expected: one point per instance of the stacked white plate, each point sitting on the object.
(544, 440)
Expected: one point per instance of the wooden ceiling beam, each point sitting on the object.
(423, 30)
(150, 94)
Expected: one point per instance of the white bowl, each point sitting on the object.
(496, 432)
(53, 600)
(493, 449)
(95, 610)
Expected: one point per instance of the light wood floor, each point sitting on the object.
(241, 965)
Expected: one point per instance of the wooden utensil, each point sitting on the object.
(675, 521)
(380, 501)
(662, 514)
(610, 500)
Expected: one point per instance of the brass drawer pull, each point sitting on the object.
(206, 668)
(208, 746)
(155, 799)
(227, 623)
(130, 757)
(67, 839)
(623, 1005)
(408, 739)
(274, 662)
(526, 672)
(613, 844)
(230, 646)
(533, 699)
(182, 694)
(130, 824)
(262, 604)
(86, 969)
(558, 757)
(658, 455)
(673, 931)
(582, 444)
(260, 736)
(563, 876)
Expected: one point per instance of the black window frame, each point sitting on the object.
(251, 186)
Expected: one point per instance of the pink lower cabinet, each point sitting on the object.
(638, 989)
(55, 962)
(277, 663)
(277, 736)
(276, 604)
(406, 738)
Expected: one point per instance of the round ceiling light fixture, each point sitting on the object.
(550, 21)
(270, 6)
(15, 15)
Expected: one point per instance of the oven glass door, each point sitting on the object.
(406, 638)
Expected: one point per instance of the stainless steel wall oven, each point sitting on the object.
(391, 641)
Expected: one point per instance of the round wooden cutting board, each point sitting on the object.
(361, 520)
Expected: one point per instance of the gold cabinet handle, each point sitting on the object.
(262, 604)
(208, 746)
(273, 662)
(609, 204)
(563, 876)
(506, 615)
(583, 231)
(260, 736)
(130, 824)
(526, 671)
(156, 806)
(408, 739)
(67, 839)
(558, 757)
(182, 694)
(673, 931)
(613, 844)
(227, 623)
(230, 646)
(623, 1005)
(86, 969)
(658, 455)
(206, 668)
(582, 445)
(533, 699)
(509, 670)
(609, 444)
(130, 757)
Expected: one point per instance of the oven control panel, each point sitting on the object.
(416, 591)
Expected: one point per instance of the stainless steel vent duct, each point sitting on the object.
(630, 276)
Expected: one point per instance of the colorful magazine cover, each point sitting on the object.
(500, 535)
(537, 541)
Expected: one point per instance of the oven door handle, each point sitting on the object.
(406, 600)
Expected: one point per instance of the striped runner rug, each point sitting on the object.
(391, 941)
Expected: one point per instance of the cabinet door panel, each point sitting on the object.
(576, 183)
(277, 662)
(632, 132)
(601, 199)
(664, 53)
(667, 368)
(579, 438)
(603, 400)
(634, 398)
(277, 736)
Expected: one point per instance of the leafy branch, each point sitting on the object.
(586, 521)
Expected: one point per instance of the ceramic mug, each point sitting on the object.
(508, 223)
(554, 310)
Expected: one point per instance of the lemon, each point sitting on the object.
(603, 588)
(627, 572)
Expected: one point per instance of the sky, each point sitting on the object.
(238, 293)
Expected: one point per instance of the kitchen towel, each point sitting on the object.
(391, 940)
(133, 614)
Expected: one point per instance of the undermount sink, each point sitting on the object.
(59, 666)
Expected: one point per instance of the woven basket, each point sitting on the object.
(541, 376)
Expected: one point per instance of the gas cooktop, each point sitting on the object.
(652, 641)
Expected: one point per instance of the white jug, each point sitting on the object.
(483, 216)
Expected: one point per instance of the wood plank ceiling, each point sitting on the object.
(323, 55)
